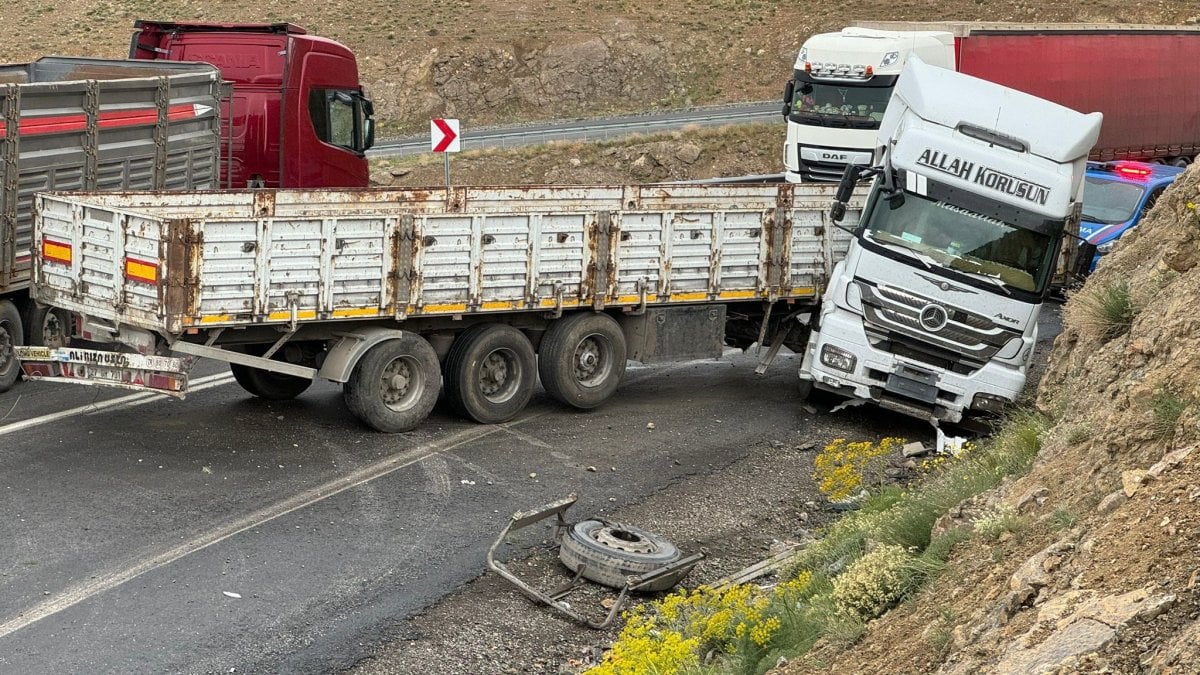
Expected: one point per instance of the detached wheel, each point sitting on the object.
(47, 326)
(610, 552)
(10, 336)
(395, 385)
(490, 372)
(582, 359)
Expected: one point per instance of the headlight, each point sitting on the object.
(803, 54)
(838, 358)
(1106, 247)
(889, 59)
(989, 403)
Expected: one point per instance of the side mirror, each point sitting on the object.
(849, 181)
(788, 91)
(845, 190)
(369, 136)
(837, 211)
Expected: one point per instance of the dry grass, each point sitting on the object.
(723, 50)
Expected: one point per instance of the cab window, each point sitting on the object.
(340, 117)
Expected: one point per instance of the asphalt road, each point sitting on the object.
(224, 532)
(127, 530)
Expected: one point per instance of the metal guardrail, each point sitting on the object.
(593, 129)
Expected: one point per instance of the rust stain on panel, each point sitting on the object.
(264, 203)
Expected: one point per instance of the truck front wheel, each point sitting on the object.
(490, 373)
(395, 385)
(10, 336)
(582, 358)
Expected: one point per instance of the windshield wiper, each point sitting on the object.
(986, 277)
(925, 260)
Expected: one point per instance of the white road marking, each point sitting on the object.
(107, 581)
(102, 582)
(130, 401)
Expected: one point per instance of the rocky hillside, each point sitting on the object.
(1101, 573)
(490, 61)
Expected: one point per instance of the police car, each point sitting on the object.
(1116, 196)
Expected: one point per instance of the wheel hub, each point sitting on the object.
(401, 384)
(617, 537)
(589, 360)
(493, 374)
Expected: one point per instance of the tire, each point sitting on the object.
(267, 385)
(263, 383)
(11, 335)
(805, 389)
(395, 385)
(490, 372)
(582, 359)
(1181, 162)
(611, 552)
(47, 326)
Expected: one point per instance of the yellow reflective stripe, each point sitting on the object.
(287, 315)
(357, 311)
(501, 304)
(446, 307)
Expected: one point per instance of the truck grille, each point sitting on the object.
(932, 330)
(822, 170)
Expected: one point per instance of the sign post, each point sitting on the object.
(444, 138)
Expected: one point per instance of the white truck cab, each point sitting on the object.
(934, 310)
(840, 87)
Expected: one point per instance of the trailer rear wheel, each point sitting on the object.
(490, 373)
(47, 326)
(395, 385)
(582, 359)
(10, 336)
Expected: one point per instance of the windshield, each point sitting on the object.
(962, 240)
(1110, 201)
(839, 105)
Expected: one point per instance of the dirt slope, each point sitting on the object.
(488, 61)
(1102, 578)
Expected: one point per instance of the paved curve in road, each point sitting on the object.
(595, 129)
(128, 533)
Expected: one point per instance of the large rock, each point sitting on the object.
(1080, 623)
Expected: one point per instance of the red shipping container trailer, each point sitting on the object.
(1144, 79)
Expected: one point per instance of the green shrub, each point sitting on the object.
(874, 582)
(1107, 310)
(1166, 406)
(1063, 519)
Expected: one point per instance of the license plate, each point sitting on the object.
(926, 393)
(162, 374)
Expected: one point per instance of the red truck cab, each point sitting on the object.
(298, 117)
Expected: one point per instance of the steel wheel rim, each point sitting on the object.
(401, 383)
(54, 333)
(592, 360)
(619, 538)
(499, 375)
